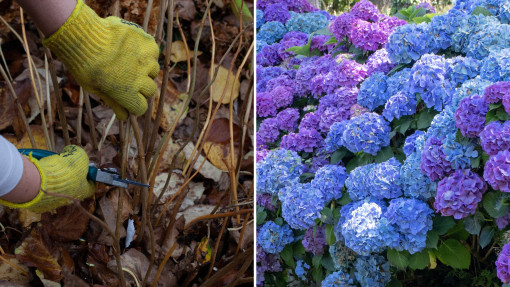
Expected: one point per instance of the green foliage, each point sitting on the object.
(494, 203)
(399, 259)
(473, 223)
(419, 260)
(453, 253)
(442, 224)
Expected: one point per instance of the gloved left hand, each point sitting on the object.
(61, 174)
(112, 58)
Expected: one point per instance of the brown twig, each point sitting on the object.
(92, 126)
(225, 270)
(216, 247)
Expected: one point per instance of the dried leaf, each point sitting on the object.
(196, 211)
(217, 145)
(168, 155)
(186, 9)
(208, 170)
(232, 86)
(179, 53)
(8, 109)
(68, 223)
(204, 251)
(35, 252)
(109, 212)
(27, 217)
(172, 238)
(13, 274)
(173, 103)
(24, 142)
(247, 236)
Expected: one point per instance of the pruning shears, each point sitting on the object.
(108, 176)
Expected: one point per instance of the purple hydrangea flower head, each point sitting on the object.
(399, 82)
(301, 205)
(373, 270)
(399, 105)
(261, 152)
(329, 180)
(314, 240)
(310, 121)
(365, 10)
(379, 62)
(268, 131)
(266, 262)
(338, 278)
(332, 115)
(368, 36)
(319, 41)
(306, 22)
(271, 32)
(412, 219)
(459, 155)
(433, 161)
(460, 69)
(357, 110)
(496, 67)
(373, 91)
(341, 27)
(503, 221)
(428, 79)
(495, 36)
(299, 6)
(368, 133)
(427, 6)
(503, 264)
(495, 137)
(496, 92)
(287, 119)
(348, 73)
(458, 195)
(301, 269)
(468, 26)
(273, 238)
(470, 115)
(506, 103)
(266, 200)
(281, 80)
(305, 140)
(475, 86)
(260, 18)
(391, 22)
(265, 106)
(286, 44)
(320, 160)
(279, 168)
(497, 171)
(407, 43)
(334, 138)
(282, 96)
(268, 55)
(410, 143)
(361, 228)
(414, 183)
(342, 98)
(277, 12)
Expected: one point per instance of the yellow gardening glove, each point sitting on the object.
(112, 58)
(64, 174)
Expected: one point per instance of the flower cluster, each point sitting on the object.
(470, 115)
(497, 171)
(330, 179)
(399, 105)
(503, 264)
(306, 22)
(496, 92)
(428, 79)
(273, 238)
(338, 278)
(301, 205)
(271, 32)
(372, 270)
(314, 240)
(458, 195)
(495, 137)
(433, 160)
(280, 168)
(287, 119)
(373, 91)
(301, 269)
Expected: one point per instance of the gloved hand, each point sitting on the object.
(65, 174)
(112, 58)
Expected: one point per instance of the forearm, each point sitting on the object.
(48, 15)
(29, 185)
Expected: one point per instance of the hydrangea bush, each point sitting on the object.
(383, 145)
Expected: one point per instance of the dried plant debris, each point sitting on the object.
(194, 226)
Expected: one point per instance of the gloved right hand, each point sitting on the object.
(112, 58)
(61, 174)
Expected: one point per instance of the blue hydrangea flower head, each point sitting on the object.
(271, 32)
(338, 278)
(443, 124)
(410, 143)
(343, 257)
(399, 82)
(334, 139)
(384, 180)
(408, 43)
(273, 238)
(412, 219)
(373, 91)
(330, 179)
(358, 183)
(279, 168)
(361, 228)
(260, 18)
(368, 133)
(301, 205)
(414, 183)
(458, 195)
(301, 269)
(459, 155)
(428, 79)
(495, 36)
(373, 270)
(496, 67)
(460, 69)
(475, 86)
(306, 22)
(467, 27)
(399, 105)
